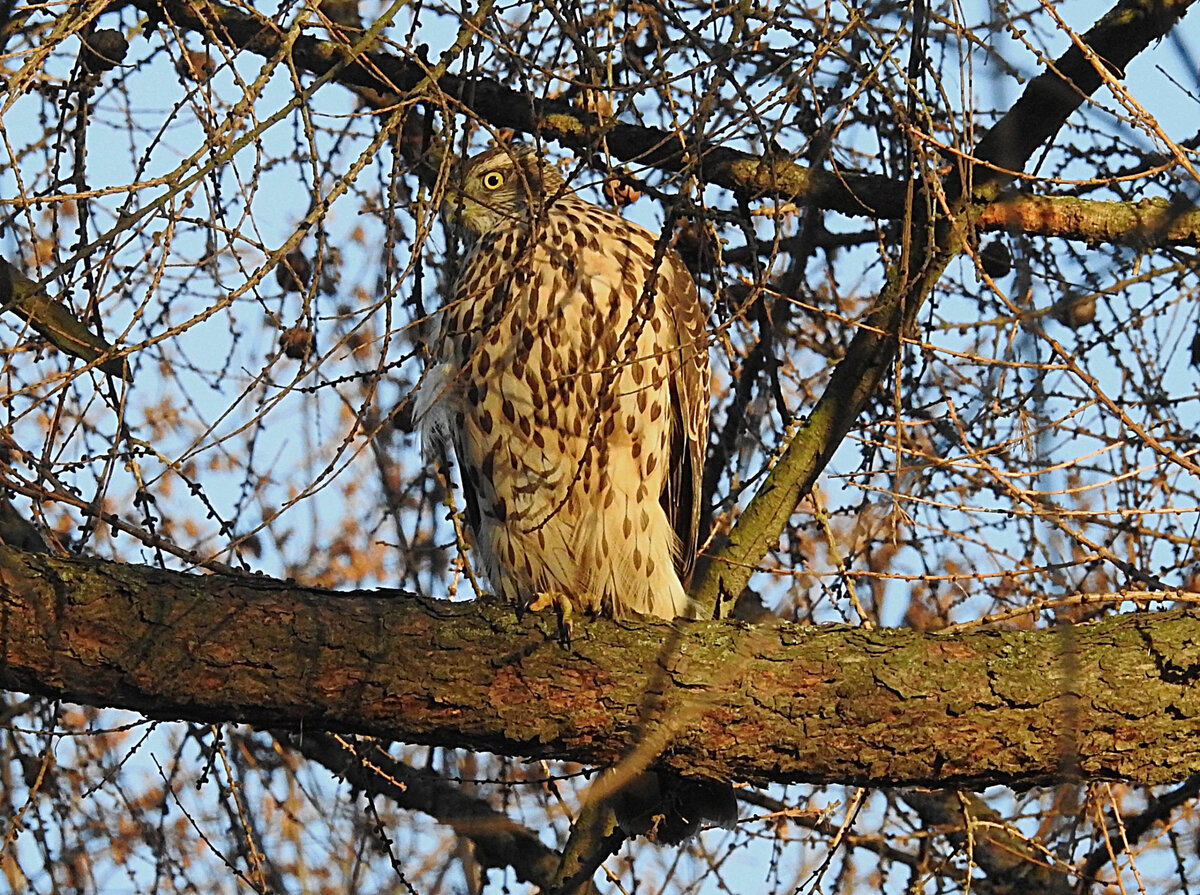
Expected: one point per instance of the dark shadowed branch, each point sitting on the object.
(498, 840)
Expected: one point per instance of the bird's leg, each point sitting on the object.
(562, 607)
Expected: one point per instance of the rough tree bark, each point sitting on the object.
(781, 702)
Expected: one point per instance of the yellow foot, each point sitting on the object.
(562, 606)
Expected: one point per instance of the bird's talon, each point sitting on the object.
(561, 604)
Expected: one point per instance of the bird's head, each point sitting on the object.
(496, 188)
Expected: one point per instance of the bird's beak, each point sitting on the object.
(455, 207)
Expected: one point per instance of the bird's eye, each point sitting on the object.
(492, 180)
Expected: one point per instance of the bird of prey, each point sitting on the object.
(570, 376)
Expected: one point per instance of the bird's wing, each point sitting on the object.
(433, 415)
(689, 407)
(430, 413)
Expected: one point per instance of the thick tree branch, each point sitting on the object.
(766, 703)
(1143, 225)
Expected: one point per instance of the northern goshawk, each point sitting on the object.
(570, 374)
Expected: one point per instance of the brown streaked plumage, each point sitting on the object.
(570, 375)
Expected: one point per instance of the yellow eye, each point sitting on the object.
(492, 180)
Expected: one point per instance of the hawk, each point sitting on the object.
(570, 375)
